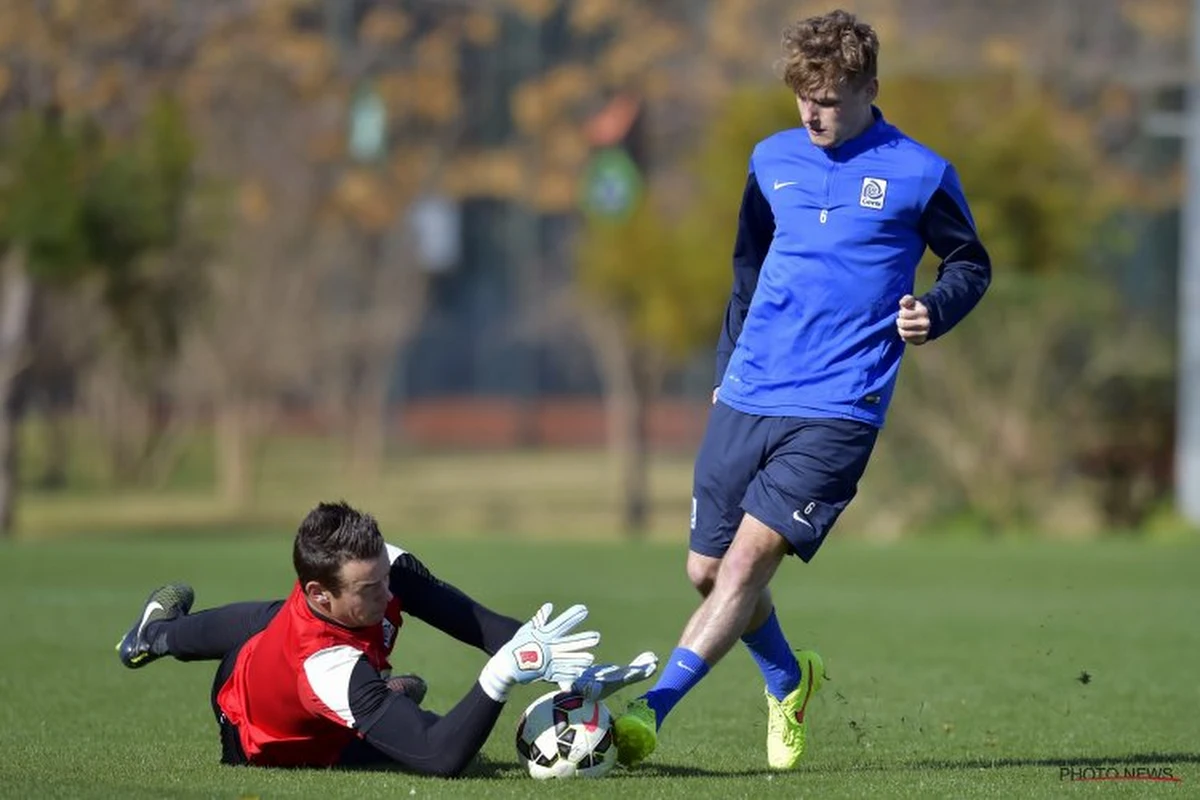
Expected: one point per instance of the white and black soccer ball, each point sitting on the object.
(564, 735)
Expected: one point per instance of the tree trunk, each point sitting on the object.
(394, 291)
(16, 304)
(626, 395)
(234, 469)
(57, 384)
(628, 412)
(58, 448)
(368, 436)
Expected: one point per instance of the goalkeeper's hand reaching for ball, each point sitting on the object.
(542, 649)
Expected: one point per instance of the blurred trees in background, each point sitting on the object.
(251, 250)
(93, 233)
(322, 127)
(1013, 415)
(83, 214)
(1052, 406)
(656, 283)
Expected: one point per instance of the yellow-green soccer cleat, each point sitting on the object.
(787, 727)
(636, 732)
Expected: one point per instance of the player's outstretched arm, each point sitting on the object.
(397, 729)
(544, 648)
(446, 608)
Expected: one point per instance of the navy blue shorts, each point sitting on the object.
(796, 475)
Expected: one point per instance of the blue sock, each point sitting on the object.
(774, 657)
(683, 671)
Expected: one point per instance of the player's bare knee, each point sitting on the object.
(744, 571)
(702, 572)
(752, 560)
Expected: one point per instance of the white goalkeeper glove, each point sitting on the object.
(599, 681)
(542, 648)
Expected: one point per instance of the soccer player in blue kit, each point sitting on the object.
(835, 217)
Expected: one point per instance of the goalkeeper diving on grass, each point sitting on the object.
(306, 681)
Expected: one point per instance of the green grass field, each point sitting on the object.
(954, 669)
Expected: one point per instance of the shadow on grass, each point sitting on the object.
(478, 769)
(490, 770)
(1129, 759)
(652, 770)
(483, 770)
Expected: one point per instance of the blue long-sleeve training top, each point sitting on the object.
(828, 242)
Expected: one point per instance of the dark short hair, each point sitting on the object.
(331, 535)
(828, 52)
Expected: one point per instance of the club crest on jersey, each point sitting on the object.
(874, 191)
(389, 632)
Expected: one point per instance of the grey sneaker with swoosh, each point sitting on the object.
(166, 602)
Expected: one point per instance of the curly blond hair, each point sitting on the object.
(829, 51)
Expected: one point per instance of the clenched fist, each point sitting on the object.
(913, 320)
(409, 685)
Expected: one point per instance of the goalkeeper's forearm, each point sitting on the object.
(431, 745)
